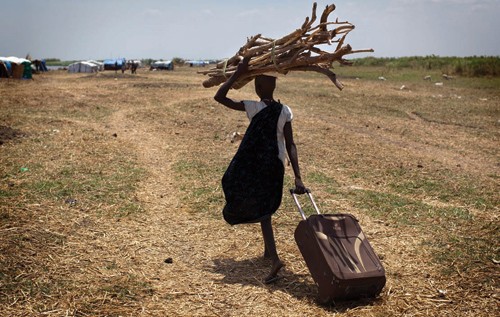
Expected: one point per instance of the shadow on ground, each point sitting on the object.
(252, 271)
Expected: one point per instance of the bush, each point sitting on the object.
(474, 66)
(178, 61)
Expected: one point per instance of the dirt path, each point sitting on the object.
(222, 277)
(207, 276)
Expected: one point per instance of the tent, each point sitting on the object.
(134, 61)
(40, 65)
(100, 66)
(196, 63)
(114, 64)
(167, 65)
(5, 69)
(19, 67)
(43, 66)
(83, 67)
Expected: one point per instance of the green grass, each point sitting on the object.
(453, 233)
(444, 186)
(403, 210)
(415, 76)
(472, 66)
(58, 62)
(200, 189)
(462, 250)
(102, 176)
(322, 179)
(111, 185)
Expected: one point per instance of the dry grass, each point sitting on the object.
(103, 178)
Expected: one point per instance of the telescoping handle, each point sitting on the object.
(301, 211)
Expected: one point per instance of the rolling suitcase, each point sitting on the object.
(338, 255)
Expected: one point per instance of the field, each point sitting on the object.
(110, 196)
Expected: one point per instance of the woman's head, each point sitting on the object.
(264, 86)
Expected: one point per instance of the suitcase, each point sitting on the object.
(338, 255)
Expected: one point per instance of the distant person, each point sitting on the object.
(253, 182)
(133, 67)
(4, 72)
(37, 64)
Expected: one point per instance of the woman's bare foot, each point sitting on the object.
(273, 275)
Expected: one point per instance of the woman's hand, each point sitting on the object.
(299, 187)
(221, 95)
(243, 65)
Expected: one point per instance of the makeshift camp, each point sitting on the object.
(19, 67)
(297, 51)
(162, 65)
(83, 67)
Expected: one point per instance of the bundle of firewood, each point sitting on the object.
(297, 51)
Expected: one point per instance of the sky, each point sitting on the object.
(215, 29)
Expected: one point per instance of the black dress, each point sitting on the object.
(253, 181)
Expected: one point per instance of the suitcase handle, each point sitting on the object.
(301, 211)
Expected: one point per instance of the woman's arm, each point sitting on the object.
(292, 154)
(221, 95)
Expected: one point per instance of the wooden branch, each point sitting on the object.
(324, 71)
(297, 51)
(324, 17)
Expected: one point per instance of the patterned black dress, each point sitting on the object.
(253, 182)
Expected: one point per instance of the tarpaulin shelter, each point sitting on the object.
(83, 67)
(167, 65)
(114, 64)
(40, 65)
(100, 65)
(4, 69)
(19, 67)
(43, 66)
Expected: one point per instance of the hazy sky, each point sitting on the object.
(206, 29)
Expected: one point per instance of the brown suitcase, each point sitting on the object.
(338, 255)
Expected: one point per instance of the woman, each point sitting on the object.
(253, 182)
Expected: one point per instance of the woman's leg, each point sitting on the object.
(270, 249)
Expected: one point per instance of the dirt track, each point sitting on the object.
(170, 123)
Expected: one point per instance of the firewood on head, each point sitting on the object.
(297, 51)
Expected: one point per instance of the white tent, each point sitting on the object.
(83, 67)
(135, 61)
(194, 63)
(16, 60)
(163, 65)
(100, 66)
